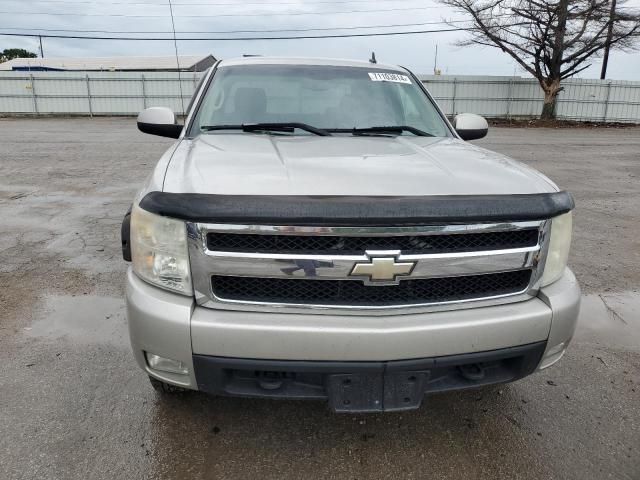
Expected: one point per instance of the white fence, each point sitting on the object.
(122, 93)
(93, 93)
(516, 97)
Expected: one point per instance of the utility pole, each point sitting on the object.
(41, 50)
(605, 58)
(435, 62)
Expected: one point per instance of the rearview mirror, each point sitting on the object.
(470, 126)
(159, 121)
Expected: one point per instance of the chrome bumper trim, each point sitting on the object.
(331, 267)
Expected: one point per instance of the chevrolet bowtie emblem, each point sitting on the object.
(382, 270)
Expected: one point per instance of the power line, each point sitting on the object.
(232, 39)
(266, 4)
(263, 14)
(397, 25)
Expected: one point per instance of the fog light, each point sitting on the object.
(553, 355)
(163, 364)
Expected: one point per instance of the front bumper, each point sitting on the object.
(172, 326)
(364, 386)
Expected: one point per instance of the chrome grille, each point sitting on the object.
(408, 244)
(312, 269)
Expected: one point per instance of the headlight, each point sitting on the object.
(159, 251)
(558, 248)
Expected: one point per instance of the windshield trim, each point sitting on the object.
(195, 107)
(427, 94)
(190, 132)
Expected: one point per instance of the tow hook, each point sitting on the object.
(473, 371)
(270, 380)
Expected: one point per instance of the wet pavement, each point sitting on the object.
(73, 404)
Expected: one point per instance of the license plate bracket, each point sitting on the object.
(376, 391)
(404, 390)
(358, 392)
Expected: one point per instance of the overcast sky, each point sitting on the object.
(413, 51)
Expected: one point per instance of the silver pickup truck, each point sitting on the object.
(320, 230)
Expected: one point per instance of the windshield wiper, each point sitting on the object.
(288, 127)
(385, 129)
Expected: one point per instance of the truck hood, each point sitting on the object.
(259, 164)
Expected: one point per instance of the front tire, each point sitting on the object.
(165, 388)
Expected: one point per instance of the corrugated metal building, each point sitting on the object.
(187, 63)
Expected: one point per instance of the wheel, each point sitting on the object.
(165, 388)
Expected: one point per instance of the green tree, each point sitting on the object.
(11, 53)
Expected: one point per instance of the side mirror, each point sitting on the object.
(470, 126)
(159, 121)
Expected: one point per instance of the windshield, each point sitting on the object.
(324, 97)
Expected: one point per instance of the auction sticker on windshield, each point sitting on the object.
(389, 77)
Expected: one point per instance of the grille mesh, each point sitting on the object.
(412, 244)
(352, 292)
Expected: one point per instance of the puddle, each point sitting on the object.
(87, 319)
(610, 319)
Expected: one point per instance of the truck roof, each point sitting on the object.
(336, 62)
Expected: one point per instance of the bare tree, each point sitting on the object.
(607, 47)
(552, 40)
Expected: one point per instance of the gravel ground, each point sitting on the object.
(73, 404)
